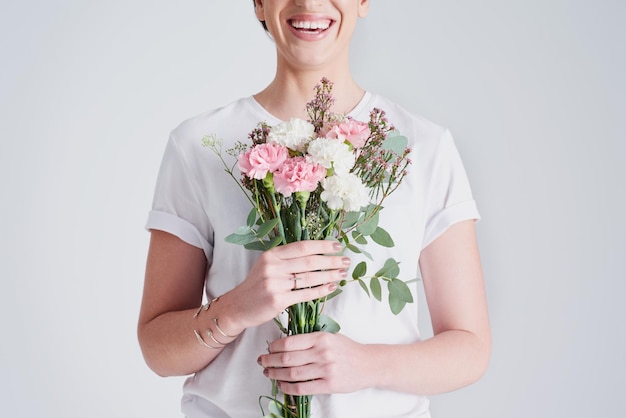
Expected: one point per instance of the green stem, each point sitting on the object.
(302, 319)
(281, 228)
(305, 230)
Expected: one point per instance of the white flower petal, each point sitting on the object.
(345, 192)
(331, 153)
(294, 134)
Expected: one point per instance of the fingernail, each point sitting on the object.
(337, 246)
(258, 360)
(346, 261)
(266, 372)
(343, 273)
(332, 287)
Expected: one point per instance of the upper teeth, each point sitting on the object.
(309, 24)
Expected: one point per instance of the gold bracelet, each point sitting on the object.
(217, 327)
(201, 341)
(210, 334)
(205, 307)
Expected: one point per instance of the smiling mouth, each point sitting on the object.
(311, 26)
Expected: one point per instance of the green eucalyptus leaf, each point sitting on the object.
(257, 245)
(267, 227)
(274, 242)
(375, 287)
(343, 237)
(382, 237)
(368, 227)
(366, 254)
(243, 230)
(350, 219)
(395, 142)
(327, 324)
(353, 248)
(240, 239)
(364, 286)
(359, 238)
(396, 305)
(399, 290)
(359, 270)
(389, 270)
(251, 218)
(335, 293)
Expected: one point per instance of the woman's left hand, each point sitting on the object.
(316, 363)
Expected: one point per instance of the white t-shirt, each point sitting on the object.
(198, 202)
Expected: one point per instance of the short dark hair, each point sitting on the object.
(260, 21)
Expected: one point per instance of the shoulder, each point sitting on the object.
(225, 122)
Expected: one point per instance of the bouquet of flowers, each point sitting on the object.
(325, 178)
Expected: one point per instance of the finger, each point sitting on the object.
(294, 374)
(304, 248)
(311, 387)
(291, 343)
(315, 278)
(311, 263)
(285, 359)
(288, 351)
(309, 293)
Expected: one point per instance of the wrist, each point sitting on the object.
(224, 317)
(376, 372)
(209, 332)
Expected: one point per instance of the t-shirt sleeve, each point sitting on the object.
(449, 198)
(177, 208)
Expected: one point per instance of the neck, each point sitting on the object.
(286, 96)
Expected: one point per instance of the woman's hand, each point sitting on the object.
(317, 363)
(458, 354)
(283, 276)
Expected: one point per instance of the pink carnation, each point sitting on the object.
(298, 175)
(261, 159)
(353, 131)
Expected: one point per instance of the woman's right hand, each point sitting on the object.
(285, 275)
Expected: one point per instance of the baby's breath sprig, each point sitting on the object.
(215, 144)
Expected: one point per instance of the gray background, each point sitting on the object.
(533, 91)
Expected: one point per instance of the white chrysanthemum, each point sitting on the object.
(331, 153)
(345, 192)
(294, 134)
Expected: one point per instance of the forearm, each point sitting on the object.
(448, 361)
(171, 347)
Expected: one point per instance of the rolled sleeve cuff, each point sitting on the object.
(184, 230)
(447, 217)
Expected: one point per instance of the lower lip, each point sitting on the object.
(310, 35)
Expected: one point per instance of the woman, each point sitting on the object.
(377, 366)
